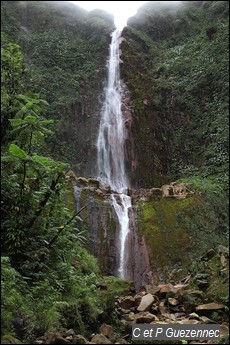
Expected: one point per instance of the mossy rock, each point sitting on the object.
(217, 279)
(115, 287)
(176, 231)
(219, 282)
(167, 238)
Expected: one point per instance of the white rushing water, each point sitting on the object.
(110, 147)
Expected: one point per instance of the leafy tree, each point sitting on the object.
(41, 283)
(12, 73)
(33, 186)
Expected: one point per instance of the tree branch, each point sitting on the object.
(43, 202)
(69, 221)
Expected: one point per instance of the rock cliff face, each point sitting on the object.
(129, 147)
(169, 227)
(100, 220)
(172, 62)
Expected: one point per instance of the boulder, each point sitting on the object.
(155, 192)
(79, 339)
(165, 288)
(173, 301)
(224, 331)
(100, 339)
(106, 330)
(184, 295)
(188, 322)
(129, 317)
(127, 302)
(138, 298)
(167, 191)
(146, 302)
(56, 338)
(145, 317)
(69, 338)
(153, 289)
(205, 319)
(70, 176)
(82, 180)
(168, 316)
(194, 316)
(127, 326)
(180, 190)
(99, 193)
(209, 307)
(92, 182)
(124, 311)
(69, 332)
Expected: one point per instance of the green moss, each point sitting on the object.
(181, 71)
(219, 289)
(70, 198)
(66, 51)
(177, 231)
(218, 279)
(167, 238)
(115, 287)
(219, 285)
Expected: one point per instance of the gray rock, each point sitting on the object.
(146, 302)
(145, 317)
(79, 339)
(100, 339)
(127, 302)
(106, 330)
(209, 306)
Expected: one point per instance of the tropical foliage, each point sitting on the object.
(177, 59)
(46, 272)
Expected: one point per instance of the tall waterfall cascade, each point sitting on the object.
(110, 149)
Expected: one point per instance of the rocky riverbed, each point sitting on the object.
(198, 298)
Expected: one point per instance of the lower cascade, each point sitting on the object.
(110, 149)
(123, 218)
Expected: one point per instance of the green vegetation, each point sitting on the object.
(65, 49)
(213, 203)
(217, 277)
(175, 65)
(115, 287)
(179, 230)
(176, 58)
(161, 225)
(49, 281)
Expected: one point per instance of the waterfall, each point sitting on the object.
(110, 149)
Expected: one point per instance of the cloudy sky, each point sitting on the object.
(121, 10)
